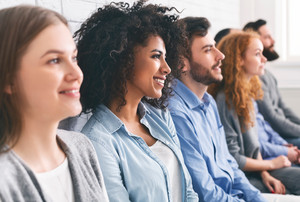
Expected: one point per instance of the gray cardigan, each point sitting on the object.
(18, 182)
(240, 145)
(274, 110)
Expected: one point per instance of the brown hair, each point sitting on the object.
(238, 90)
(18, 27)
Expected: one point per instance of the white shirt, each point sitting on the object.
(57, 183)
(166, 155)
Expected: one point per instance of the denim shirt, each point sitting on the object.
(214, 171)
(132, 172)
(271, 143)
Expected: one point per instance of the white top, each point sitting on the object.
(166, 155)
(57, 183)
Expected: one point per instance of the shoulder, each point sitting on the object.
(220, 97)
(267, 77)
(72, 138)
(76, 144)
(162, 114)
(13, 175)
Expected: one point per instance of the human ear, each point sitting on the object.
(186, 66)
(8, 89)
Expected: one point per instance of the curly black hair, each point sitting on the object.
(106, 43)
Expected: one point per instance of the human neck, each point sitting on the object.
(196, 87)
(128, 112)
(38, 146)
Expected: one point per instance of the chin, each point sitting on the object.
(73, 110)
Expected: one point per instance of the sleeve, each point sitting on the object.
(271, 144)
(111, 172)
(240, 180)
(269, 150)
(191, 194)
(202, 181)
(287, 125)
(232, 131)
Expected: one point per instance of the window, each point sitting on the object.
(293, 30)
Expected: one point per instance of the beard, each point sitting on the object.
(270, 54)
(204, 75)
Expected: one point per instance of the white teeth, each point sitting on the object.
(70, 91)
(160, 81)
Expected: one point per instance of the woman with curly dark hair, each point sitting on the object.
(124, 53)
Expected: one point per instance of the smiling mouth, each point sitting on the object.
(161, 81)
(69, 91)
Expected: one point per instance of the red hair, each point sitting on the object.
(239, 91)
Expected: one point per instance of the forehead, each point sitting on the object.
(264, 30)
(200, 41)
(50, 39)
(255, 43)
(153, 42)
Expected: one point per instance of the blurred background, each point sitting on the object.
(281, 15)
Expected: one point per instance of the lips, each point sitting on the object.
(69, 91)
(161, 81)
(74, 93)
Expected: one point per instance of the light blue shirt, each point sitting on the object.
(271, 144)
(131, 171)
(214, 171)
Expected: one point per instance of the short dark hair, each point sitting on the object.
(254, 26)
(194, 26)
(106, 43)
(221, 34)
(18, 28)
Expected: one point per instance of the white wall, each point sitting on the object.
(286, 71)
(221, 13)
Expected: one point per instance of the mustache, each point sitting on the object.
(271, 46)
(219, 63)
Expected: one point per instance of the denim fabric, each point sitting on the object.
(214, 171)
(132, 172)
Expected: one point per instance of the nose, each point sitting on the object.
(272, 39)
(165, 67)
(74, 73)
(220, 55)
(264, 59)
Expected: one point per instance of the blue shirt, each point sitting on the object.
(131, 171)
(271, 144)
(214, 171)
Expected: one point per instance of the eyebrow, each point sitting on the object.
(206, 46)
(54, 51)
(156, 50)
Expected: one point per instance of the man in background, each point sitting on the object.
(281, 118)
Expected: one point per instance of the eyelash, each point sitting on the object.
(58, 60)
(74, 59)
(54, 61)
(208, 50)
(156, 56)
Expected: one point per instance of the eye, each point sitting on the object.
(74, 59)
(208, 49)
(54, 61)
(157, 56)
(257, 54)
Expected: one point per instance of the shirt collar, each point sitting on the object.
(112, 123)
(190, 99)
